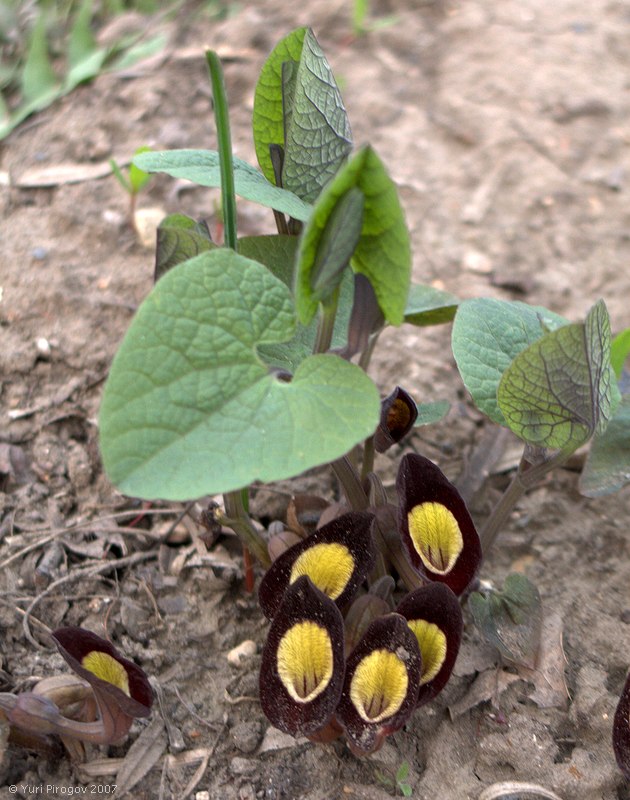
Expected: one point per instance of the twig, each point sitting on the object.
(97, 569)
(194, 714)
(85, 524)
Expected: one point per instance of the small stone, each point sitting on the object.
(246, 792)
(243, 766)
(477, 262)
(39, 253)
(246, 736)
(146, 221)
(173, 604)
(242, 651)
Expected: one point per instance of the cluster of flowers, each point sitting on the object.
(342, 660)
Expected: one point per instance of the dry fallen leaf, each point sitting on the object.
(60, 174)
(488, 685)
(550, 688)
(142, 756)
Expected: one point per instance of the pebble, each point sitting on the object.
(247, 736)
(243, 766)
(244, 650)
(39, 253)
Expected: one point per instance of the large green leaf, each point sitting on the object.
(607, 466)
(202, 167)
(557, 392)
(268, 117)
(487, 335)
(383, 252)
(429, 306)
(318, 137)
(190, 409)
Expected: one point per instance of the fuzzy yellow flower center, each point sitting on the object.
(379, 685)
(107, 669)
(329, 566)
(436, 536)
(305, 661)
(432, 644)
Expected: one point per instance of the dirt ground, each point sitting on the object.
(507, 128)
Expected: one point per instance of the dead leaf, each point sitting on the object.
(142, 756)
(488, 685)
(60, 174)
(14, 464)
(550, 688)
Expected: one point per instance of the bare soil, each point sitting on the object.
(507, 128)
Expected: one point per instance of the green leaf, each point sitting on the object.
(189, 408)
(327, 243)
(557, 392)
(383, 253)
(429, 306)
(179, 238)
(607, 466)
(619, 351)
(318, 137)
(278, 253)
(202, 167)
(268, 117)
(82, 43)
(138, 178)
(126, 53)
(119, 175)
(85, 70)
(487, 335)
(39, 82)
(428, 413)
(511, 619)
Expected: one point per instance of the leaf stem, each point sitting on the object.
(226, 165)
(351, 483)
(368, 457)
(238, 519)
(326, 323)
(527, 475)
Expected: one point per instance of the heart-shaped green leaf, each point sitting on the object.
(487, 335)
(557, 392)
(511, 619)
(202, 167)
(190, 409)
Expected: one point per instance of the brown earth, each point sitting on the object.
(507, 127)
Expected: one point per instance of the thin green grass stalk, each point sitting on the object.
(222, 118)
